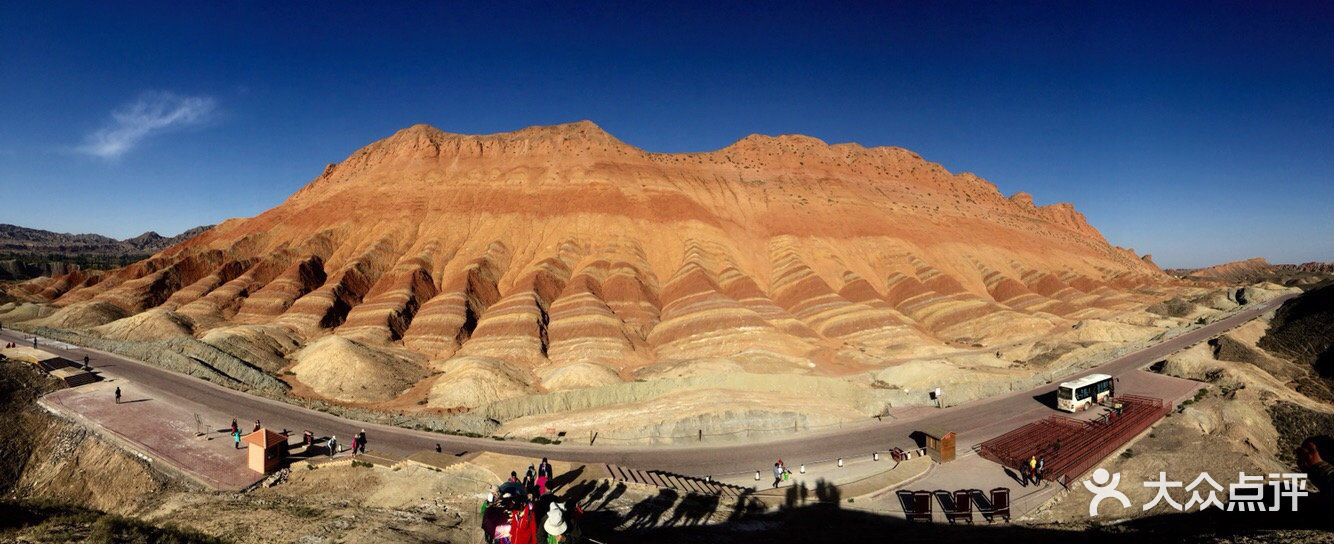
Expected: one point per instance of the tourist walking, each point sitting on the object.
(544, 469)
(530, 481)
(256, 426)
(236, 438)
(333, 445)
(85, 362)
(361, 440)
(778, 473)
(542, 481)
(1032, 468)
(117, 395)
(235, 428)
(1042, 468)
(354, 446)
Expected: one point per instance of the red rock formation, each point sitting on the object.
(560, 247)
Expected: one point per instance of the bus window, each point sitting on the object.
(1064, 393)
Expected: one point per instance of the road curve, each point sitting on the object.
(973, 422)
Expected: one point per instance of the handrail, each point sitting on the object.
(1082, 443)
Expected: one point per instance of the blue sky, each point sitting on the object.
(1198, 132)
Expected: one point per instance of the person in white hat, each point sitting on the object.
(555, 524)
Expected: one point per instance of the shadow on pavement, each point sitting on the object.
(827, 522)
(1047, 399)
(558, 482)
(820, 514)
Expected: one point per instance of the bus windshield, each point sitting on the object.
(1063, 393)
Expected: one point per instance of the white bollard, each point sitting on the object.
(875, 456)
(757, 475)
(840, 462)
(802, 469)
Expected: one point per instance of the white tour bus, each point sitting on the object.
(1084, 392)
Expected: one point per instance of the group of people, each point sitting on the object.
(1034, 469)
(358, 443)
(526, 511)
(535, 480)
(307, 438)
(236, 429)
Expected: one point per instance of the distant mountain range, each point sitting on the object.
(28, 253)
(1258, 269)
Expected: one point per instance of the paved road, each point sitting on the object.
(973, 422)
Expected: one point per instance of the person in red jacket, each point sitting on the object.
(523, 525)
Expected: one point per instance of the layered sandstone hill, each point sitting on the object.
(448, 270)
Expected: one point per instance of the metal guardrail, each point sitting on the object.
(1071, 447)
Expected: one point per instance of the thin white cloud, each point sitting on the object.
(152, 113)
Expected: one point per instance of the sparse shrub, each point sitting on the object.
(302, 511)
(1174, 307)
(1127, 454)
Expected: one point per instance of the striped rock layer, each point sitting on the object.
(558, 257)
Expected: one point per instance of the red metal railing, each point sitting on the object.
(1071, 447)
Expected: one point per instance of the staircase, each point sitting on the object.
(82, 378)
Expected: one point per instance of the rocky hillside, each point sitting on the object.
(432, 270)
(29, 253)
(1303, 330)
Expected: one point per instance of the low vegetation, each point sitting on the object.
(20, 385)
(1303, 330)
(40, 521)
(1173, 307)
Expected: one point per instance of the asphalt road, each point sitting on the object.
(973, 422)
